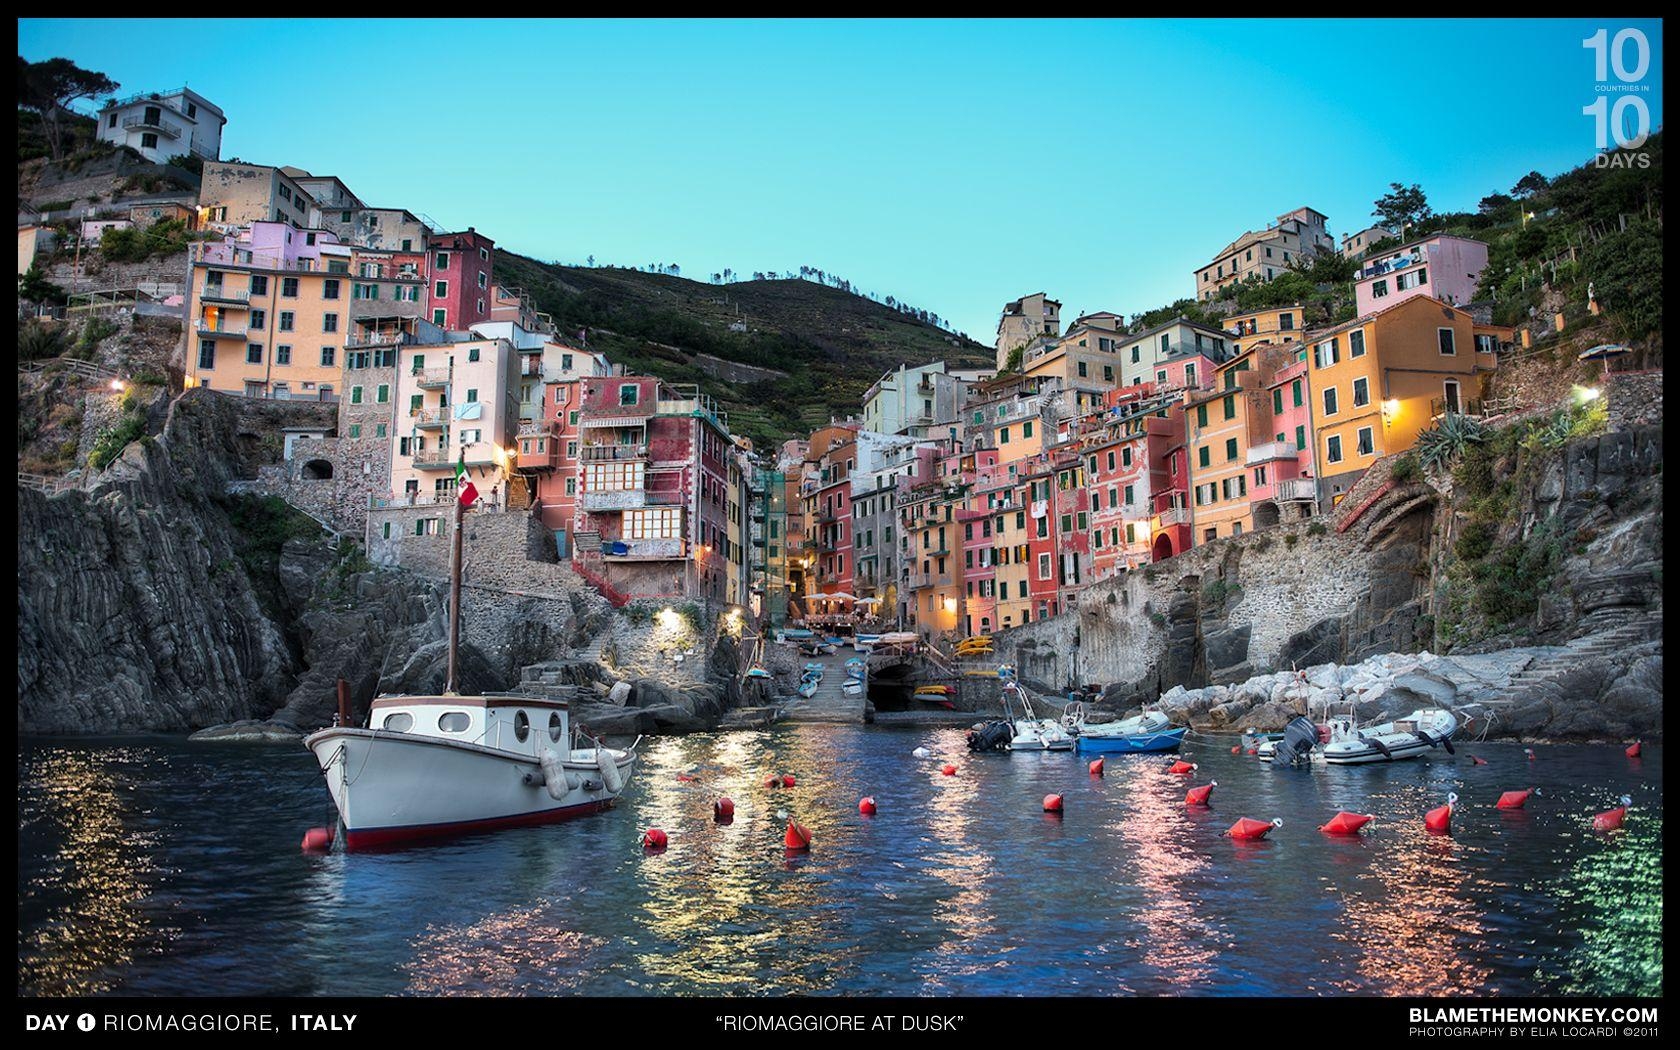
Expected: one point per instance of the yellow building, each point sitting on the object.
(933, 551)
(1277, 324)
(1380, 380)
(1084, 364)
(264, 318)
(1221, 428)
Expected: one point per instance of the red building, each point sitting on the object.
(462, 271)
(549, 455)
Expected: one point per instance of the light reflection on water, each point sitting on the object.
(148, 866)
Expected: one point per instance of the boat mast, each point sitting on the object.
(454, 600)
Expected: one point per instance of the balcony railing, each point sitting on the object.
(921, 581)
(613, 499)
(215, 293)
(1175, 516)
(431, 378)
(536, 429)
(214, 253)
(1391, 265)
(612, 453)
(430, 419)
(163, 127)
(219, 331)
(367, 339)
(1465, 407)
(1271, 450)
(1298, 489)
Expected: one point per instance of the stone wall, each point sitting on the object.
(1635, 398)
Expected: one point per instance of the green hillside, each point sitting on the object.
(827, 344)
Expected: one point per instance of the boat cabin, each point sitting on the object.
(523, 725)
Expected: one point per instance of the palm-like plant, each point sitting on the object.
(1446, 440)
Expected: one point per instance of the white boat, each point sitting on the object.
(429, 767)
(1032, 733)
(1146, 723)
(1343, 742)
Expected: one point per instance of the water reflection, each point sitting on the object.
(1178, 944)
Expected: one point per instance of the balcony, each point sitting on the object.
(649, 550)
(161, 126)
(1391, 265)
(613, 499)
(606, 453)
(219, 331)
(536, 429)
(1465, 406)
(1175, 516)
(431, 378)
(921, 581)
(439, 459)
(1294, 489)
(215, 293)
(365, 339)
(1271, 450)
(430, 419)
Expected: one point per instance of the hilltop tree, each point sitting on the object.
(1495, 203)
(49, 87)
(1402, 206)
(1530, 184)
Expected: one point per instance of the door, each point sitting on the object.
(1452, 401)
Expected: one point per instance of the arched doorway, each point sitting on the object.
(317, 470)
(1163, 547)
(1266, 514)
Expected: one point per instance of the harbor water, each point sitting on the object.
(150, 866)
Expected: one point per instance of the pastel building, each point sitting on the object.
(1024, 321)
(1142, 353)
(1223, 426)
(1442, 267)
(1357, 245)
(454, 404)
(163, 124)
(462, 268)
(914, 401)
(1276, 324)
(1264, 254)
(1282, 478)
(232, 193)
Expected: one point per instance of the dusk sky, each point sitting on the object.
(956, 165)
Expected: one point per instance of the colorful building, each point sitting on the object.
(1264, 254)
(163, 124)
(462, 268)
(1442, 267)
(1282, 479)
(1025, 321)
(454, 405)
(1223, 426)
(1143, 355)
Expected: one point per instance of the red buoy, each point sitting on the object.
(1252, 830)
(949, 771)
(723, 809)
(866, 805)
(1611, 819)
(1633, 750)
(798, 836)
(1254, 751)
(1345, 823)
(1236, 749)
(1198, 796)
(772, 781)
(1052, 803)
(1439, 819)
(317, 840)
(654, 839)
(1529, 751)
(1477, 760)
(686, 778)
(787, 780)
(1097, 768)
(1515, 799)
(1182, 766)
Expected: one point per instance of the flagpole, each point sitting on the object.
(454, 601)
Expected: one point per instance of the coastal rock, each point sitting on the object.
(1267, 717)
(250, 731)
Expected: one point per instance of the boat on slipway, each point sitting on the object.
(435, 766)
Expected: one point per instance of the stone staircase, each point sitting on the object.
(1604, 631)
(830, 702)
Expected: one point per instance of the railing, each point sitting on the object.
(1175, 516)
(1465, 407)
(429, 418)
(215, 291)
(431, 377)
(1271, 450)
(164, 128)
(535, 429)
(364, 339)
(1391, 265)
(611, 453)
(613, 499)
(212, 253)
(1298, 489)
(205, 328)
(44, 484)
(86, 369)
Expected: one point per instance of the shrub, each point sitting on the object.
(1405, 469)
(1474, 541)
(1316, 529)
(1447, 440)
(114, 438)
(96, 331)
(39, 342)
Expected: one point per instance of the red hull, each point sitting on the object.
(390, 838)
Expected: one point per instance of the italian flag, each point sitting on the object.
(465, 492)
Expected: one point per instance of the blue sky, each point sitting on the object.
(956, 165)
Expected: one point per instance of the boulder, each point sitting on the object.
(1267, 717)
(249, 731)
(619, 694)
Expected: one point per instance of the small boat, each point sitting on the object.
(815, 666)
(797, 634)
(855, 667)
(1146, 732)
(936, 695)
(757, 672)
(808, 688)
(1028, 732)
(1135, 743)
(863, 643)
(1342, 742)
(897, 638)
(852, 687)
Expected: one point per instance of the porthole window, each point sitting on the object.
(454, 721)
(400, 722)
(521, 727)
(554, 726)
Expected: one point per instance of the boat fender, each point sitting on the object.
(1345, 823)
(1198, 796)
(723, 810)
(788, 780)
(1052, 803)
(1477, 760)
(798, 836)
(1611, 819)
(1529, 751)
(866, 805)
(1515, 799)
(949, 770)
(1439, 819)
(1633, 750)
(1254, 751)
(610, 775)
(1097, 768)
(1380, 746)
(1253, 830)
(1182, 766)
(654, 840)
(556, 777)
(317, 840)
(1237, 750)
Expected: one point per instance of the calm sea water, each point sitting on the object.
(150, 866)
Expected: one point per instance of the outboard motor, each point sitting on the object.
(1300, 736)
(993, 736)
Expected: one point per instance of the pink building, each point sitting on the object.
(462, 270)
(1281, 471)
(1445, 267)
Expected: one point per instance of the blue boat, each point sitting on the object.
(1135, 743)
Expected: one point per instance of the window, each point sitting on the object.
(1298, 392)
(521, 726)
(207, 353)
(253, 353)
(472, 394)
(1026, 429)
(1326, 353)
(1367, 443)
(1379, 290)
(259, 319)
(1356, 343)
(440, 290)
(1201, 415)
(1301, 438)
(287, 321)
(1445, 337)
(442, 261)
(1044, 566)
(1230, 449)
(1333, 448)
(328, 356)
(259, 284)
(1330, 407)
(1361, 392)
(283, 354)
(288, 287)
(329, 288)
(355, 430)
(454, 721)
(1277, 401)
(554, 726)
(1231, 404)
(329, 322)
(483, 279)
(656, 523)
(399, 721)
(148, 140)
(1203, 457)
(355, 395)
(614, 477)
(440, 317)
(1190, 373)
